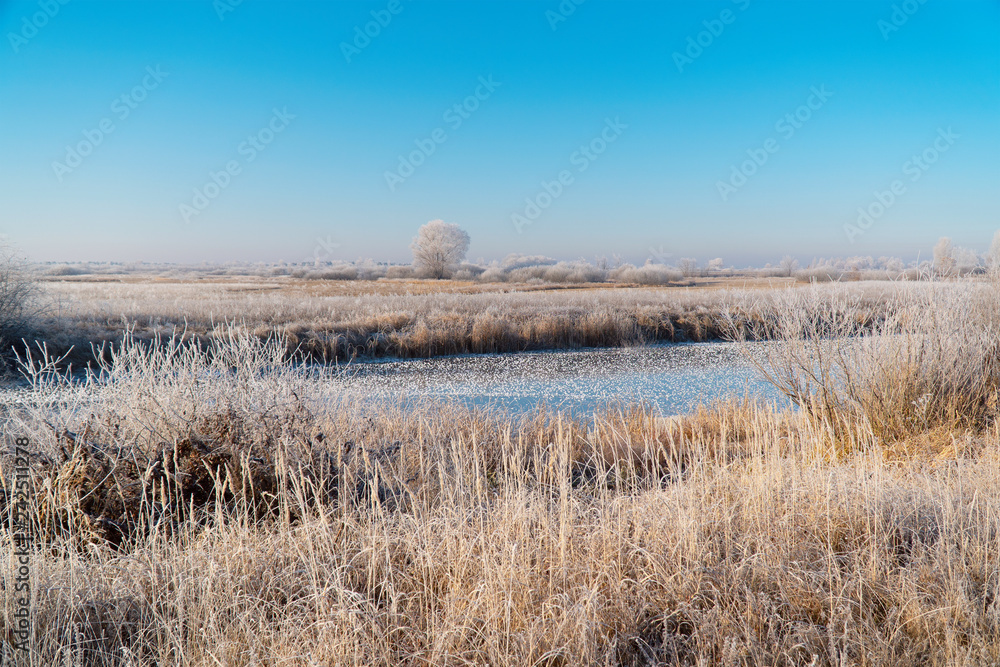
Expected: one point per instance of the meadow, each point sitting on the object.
(332, 320)
(209, 501)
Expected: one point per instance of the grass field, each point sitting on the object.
(412, 318)
(220, 506)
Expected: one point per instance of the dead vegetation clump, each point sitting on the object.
(928, 363)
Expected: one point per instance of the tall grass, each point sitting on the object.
(402, 321)
(218, 506)
(930, 360)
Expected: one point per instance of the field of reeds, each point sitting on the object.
(338, 320)
(215, 504)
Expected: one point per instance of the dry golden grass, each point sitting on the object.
(927, 362)
(216, 508)
(343, 319)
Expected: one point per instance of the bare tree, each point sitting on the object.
(894, 265)
(860, 262)
(715, 264)
(993, 255)
(944, 257)
(688, 266)
(439, 248)
(788, 265)
(966, 260)
(18, 297)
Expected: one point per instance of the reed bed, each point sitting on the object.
(216, 505)
(928, 361)
(418, 319)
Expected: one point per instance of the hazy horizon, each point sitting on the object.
(740, 129)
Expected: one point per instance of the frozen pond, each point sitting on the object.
(675, 378)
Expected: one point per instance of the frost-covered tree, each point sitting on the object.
(688, 266)
(439, 248)
(893, 265)
(993, 254)
(965, 259)
(860, 262)
(944, 257)
(788, 265)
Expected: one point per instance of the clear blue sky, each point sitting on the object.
(220, 76)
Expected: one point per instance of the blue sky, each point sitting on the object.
(644, 109)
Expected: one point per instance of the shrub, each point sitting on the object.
(819, 274)
(493, 274)
(399, 272)
(649, 274)
(468, 272)
(18, 298)
(66, 270)
(342, 272)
